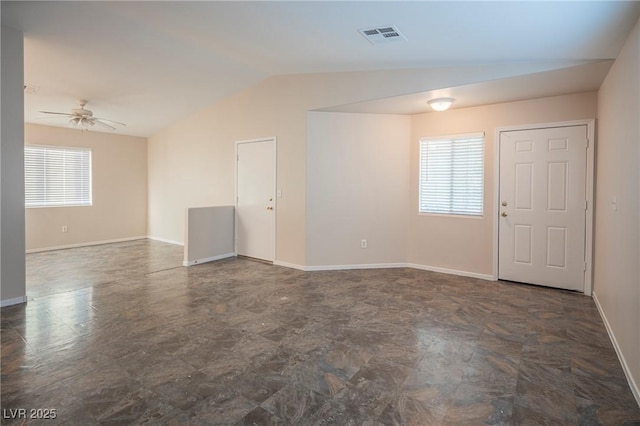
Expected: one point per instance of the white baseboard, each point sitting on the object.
(14, 301)
(207, 259)
(290, 265)
(625, 367)
(87, 244)
(356, 266)
(164, 240)
(486, 277)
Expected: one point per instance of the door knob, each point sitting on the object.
(504, 204)
(503, 214)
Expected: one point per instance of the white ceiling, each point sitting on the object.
(149, 64)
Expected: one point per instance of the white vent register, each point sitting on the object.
(382, 35)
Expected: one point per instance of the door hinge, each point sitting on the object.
(586, 204)
(587, 143)
(584, 267)
(237, 157)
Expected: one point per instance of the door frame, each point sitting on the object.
(590, 186)
(273, 139)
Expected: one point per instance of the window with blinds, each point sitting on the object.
(452, 175)
(57, 176)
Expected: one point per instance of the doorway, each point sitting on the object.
(545, 205)
(255, 199)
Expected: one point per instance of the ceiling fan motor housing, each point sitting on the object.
(82, 112)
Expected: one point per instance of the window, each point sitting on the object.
(452, 175)
(57, 176)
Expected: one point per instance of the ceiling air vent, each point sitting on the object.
(387, 34)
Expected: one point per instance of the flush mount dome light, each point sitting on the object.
(441, 104)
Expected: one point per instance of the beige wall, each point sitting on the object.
(119, 178)
(617, 238)
(191, 162)
(466, 244)
(12, 262)
(357, 188)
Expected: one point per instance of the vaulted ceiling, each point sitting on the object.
(151, 63)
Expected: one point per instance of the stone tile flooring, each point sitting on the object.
(122, 334)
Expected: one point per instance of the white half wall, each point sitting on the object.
(209, 234)
(357, 188)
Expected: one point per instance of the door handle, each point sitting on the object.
(504, 214)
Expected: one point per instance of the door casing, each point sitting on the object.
(588, 274)
(275, 199)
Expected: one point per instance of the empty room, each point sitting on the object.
(320, 213)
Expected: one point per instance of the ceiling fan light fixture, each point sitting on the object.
(441, 104)
(82, 123)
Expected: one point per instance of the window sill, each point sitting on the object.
(453, 216)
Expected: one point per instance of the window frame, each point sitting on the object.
(69, 148)
(452, 138)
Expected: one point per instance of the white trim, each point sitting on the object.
(635, 389)
(273, 139)
(588, 249)
(40, 145)
(385, 266)
(356, 266)
(590, 186)
(164, 240)
(14, 301)
(453, 215)
(486, 277)
(265, 139)
(207, 259)
(91, 243)
(290, 265)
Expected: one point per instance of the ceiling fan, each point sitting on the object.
(83, 119)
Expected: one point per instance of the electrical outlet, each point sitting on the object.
(363, 244)
(64, 228)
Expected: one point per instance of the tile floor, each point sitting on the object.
(121, 334)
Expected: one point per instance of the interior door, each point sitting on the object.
(255, 199)
(543, 206)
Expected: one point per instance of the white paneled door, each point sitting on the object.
(543, 206)
(255, 199)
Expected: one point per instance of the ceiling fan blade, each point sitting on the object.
(105, 125)
(57, 113)
(52, 118)
(110, 121)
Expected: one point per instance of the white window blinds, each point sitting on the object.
(452, 175)
(56, 176)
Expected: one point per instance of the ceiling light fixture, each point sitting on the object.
(81, 123)
(441, 104)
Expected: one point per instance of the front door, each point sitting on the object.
(255, 199)
(543, 206)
